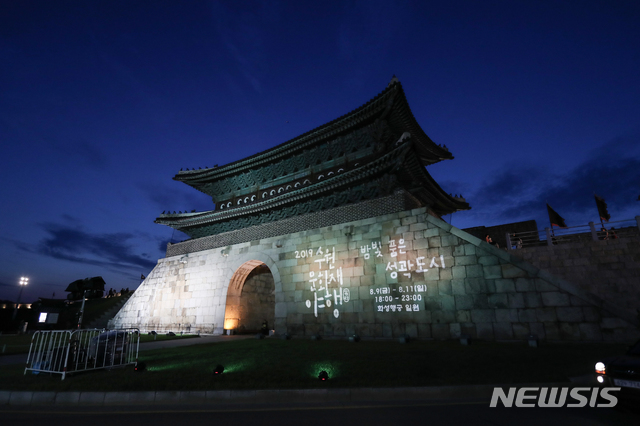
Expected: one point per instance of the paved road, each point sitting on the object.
(450, 413)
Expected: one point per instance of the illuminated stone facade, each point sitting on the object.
(400, 273)
(338, 232)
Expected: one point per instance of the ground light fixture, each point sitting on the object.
(219, 369)
(140, 367)
(323, 376)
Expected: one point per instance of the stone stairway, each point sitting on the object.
(103, 320)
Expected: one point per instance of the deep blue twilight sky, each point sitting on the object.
(102, 102)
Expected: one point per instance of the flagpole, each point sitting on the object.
(553, 235)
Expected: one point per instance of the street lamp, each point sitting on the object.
(23, 283)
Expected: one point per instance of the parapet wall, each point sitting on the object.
(610, 269)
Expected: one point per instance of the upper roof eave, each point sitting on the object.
(428, 150)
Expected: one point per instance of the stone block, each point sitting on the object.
(492, 271)
(516, 300)
(570, 314)
(521, 330)
(449, 240)
(590, 331)
(525, 284)
(447, 302)
(576, 301)
(498, 301)
(469, 249)
(458, 251)
(480, 301)
(455, 330)
(484, 330)
(503, 330)
(611, 323)
(483, 315)
(441, 331)
(506, 315)
(411, 330)
(527, 315)
(537, 328)
(432, 274)
(464, 302)
(434, 242)
(469, 329)
(474, 285)
(542, 285)
(446, 274)
(506, 285)
(463, 316)
(569, 331)
(444, 287)
(591, 314)
(488, 261)
(465, 260)
(431, 232)
(546, 314)
(555, 298)
(459, 272)
(511, 271)
(457, 287)
(552, 330)
(443, 317)
(532, 299)
(424, 331)
(474, 271)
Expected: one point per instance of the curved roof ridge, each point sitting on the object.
(191, 174)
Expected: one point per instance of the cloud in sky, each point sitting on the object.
(114, 251)
(612, 171)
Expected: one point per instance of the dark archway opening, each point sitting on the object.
(250, 298)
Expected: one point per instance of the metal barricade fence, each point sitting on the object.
(64, 352)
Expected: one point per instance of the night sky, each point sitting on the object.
(102, 103)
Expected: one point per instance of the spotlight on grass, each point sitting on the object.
(323, 376)
(219, 369)
(140, 367)
(354, 339)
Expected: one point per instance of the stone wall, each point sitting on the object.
(610, 269)
(385, 276)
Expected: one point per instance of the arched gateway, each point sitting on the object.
(347, 221)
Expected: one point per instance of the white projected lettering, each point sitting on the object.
(325, 277)
(326, 280)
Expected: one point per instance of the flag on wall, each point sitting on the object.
(602, 209)
(555, 218)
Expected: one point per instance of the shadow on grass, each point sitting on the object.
(295, 364)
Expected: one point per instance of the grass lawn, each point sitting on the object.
(20, 344)
(282, 364)
(14, 344)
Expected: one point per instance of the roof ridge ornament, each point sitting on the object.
(405, 136)
(393, 81)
